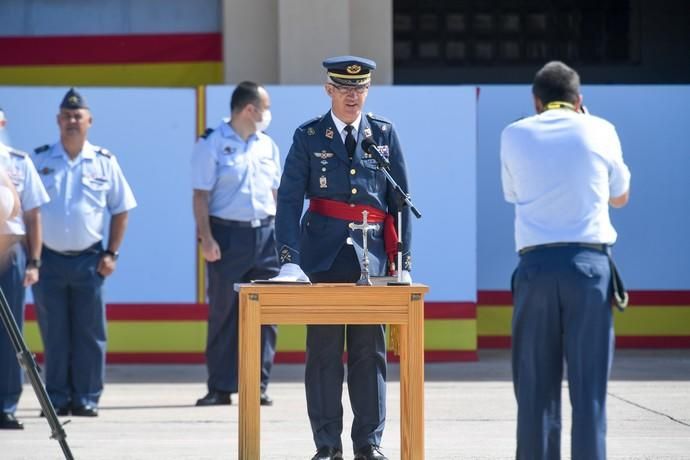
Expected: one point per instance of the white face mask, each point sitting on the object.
(265, 121)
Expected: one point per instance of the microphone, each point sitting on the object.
(369, 146)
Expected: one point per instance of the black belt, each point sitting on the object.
(93, 249)
(620, 295)
(255, 223)
(596, 246)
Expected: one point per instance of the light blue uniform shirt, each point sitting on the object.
(23, 175)
(81, 191)
(239, 175)
(560, 168)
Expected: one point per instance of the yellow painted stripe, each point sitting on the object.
(635, 321)
(664, 321)
(494, 320)
(166, 74)
(200, 262)
(190, 336)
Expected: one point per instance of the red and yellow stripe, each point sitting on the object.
(654, 319)
(176, 333)
(112, 60)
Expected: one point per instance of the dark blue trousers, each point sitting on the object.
(12, 284)
(246, 254)
(71, 315)
(366, 370)
(562, 300)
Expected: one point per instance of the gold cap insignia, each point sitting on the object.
(353, 69)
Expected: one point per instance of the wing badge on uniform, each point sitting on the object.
(324, 155)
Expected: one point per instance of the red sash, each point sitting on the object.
(353, 212)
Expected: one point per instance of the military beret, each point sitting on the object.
(73, 100)
(349, 70)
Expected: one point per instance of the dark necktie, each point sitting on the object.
(350, 143)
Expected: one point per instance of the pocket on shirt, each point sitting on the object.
(95, 191)
(232, 168)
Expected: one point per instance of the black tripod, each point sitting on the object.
(27, 361)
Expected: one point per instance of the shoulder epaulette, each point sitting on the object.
(206, 133)
(310, 122)
(18, 153)
(41, 149)
(372, 116)
(105, 152)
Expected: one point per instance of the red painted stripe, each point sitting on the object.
(450, 310)
(146, 312)
(630, 341)
(199, 312)
(110, 49)
(637, 298)
(493, 341)
(626, 341)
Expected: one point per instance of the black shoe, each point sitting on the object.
(370, 453)
(266, 400)
(85, 411)
(215, 398)
(61, 411)
(9, 422)
(328, 453)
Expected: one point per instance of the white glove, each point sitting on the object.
(406, 277)
(291, 273)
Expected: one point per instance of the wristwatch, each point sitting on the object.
(33, 263)
(113, 254)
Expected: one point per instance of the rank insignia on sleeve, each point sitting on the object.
(323, 155)
(407, 263)
(367, 132)
(311, 131)
(285, 256)
(329, 133)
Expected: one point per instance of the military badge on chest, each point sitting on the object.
(228, 150)
(325, 157)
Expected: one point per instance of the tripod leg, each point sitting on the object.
(27, 361)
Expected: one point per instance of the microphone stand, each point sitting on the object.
(26, 359)
(403, 199)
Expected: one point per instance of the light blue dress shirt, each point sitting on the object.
(23, 175)
(239, 175)
(560, 168)
(81, 191)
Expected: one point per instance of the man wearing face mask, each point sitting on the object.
(235, 177)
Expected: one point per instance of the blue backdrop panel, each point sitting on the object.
(652, 121)
(437, 129)
(151, 131)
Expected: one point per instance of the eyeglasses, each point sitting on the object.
(341, 89)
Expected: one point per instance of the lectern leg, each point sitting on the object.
(412, 384)
(249, 370)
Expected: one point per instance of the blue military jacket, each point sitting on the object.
(317, 166)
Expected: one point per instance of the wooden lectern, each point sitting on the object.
(333, 304)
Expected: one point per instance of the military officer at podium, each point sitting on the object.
(327, 165)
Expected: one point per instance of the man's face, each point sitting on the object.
(347, 101)
(74, 122)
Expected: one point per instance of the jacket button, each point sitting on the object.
(353, 171)
(354, 190)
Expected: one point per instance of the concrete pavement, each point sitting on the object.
(147, 413)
